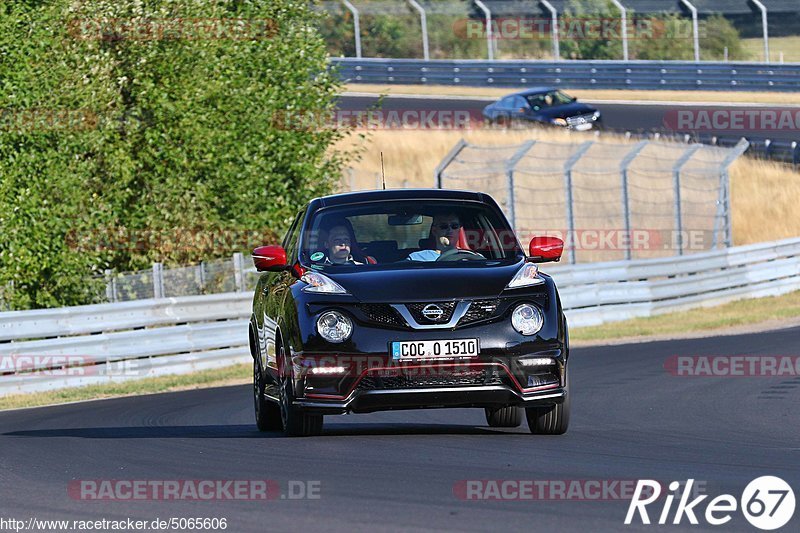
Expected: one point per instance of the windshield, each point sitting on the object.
(408, 234)
(548, 99)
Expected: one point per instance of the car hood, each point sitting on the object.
(566, 110)
(425, 283)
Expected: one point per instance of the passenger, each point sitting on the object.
(445, 230)
(338, 248)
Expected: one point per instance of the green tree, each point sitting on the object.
(191, 133)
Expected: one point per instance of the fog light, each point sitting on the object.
(537, 361)
(327, 370)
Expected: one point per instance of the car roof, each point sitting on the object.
(533, 90)
(400, 194)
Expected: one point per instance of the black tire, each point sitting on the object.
(550, 420)
(505, 417)
(295, 422)
(268, 414)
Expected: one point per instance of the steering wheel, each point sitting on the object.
(460, 255)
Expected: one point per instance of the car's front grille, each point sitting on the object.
(419, 312)
(469, 378)
(383, 314)
(580, 119)
(479, 310)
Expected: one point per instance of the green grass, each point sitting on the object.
(739, 313)
(203, 379)
(790, 46)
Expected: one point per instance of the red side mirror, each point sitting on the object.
(545, 249)
(269, 258)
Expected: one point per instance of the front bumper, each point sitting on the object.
(385, 400)
(431, 384)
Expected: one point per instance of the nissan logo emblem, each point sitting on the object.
(432, 312)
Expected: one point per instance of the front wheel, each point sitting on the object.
(296, 423)
(505, 417)
(550, 420)
(268, 414)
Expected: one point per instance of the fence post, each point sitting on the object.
(626, 206)
(764, 28)
(740, 148)
(695, 29)
(238, 271)
(554, 29)
(437, 174)
(510, 166)
(356, 26)
(624, 20)
(158, 281)
(568, 166)
(489, 36)
(676, 180)
(424, 21)
(201, 274)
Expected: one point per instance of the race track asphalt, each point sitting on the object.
(631, 419)
(619, 117)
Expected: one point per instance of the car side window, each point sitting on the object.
(519, 103)
(507, 102)
(290, 243)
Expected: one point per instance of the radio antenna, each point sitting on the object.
(383, 173)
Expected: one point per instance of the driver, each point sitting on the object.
(338, 247)
(445, 229)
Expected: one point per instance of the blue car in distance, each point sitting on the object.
(543, 106)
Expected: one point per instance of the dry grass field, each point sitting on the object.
(765, 195)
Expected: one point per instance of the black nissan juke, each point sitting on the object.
(406, 299)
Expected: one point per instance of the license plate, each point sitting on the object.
(583, 127)
(435, 349)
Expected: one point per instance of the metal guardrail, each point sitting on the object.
(104, 343)
(577, 74)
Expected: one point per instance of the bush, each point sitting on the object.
(178, 135)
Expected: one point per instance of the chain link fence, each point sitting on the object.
(209, 277)
(609, 201)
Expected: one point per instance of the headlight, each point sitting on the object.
(596, 115)
(334, 326)
(527, 276)
(527, 319)
(560, 121)
(321, 283)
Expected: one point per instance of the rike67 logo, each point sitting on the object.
(767, 503)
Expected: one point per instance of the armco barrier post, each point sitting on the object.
(238, 271)
(158, 280)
